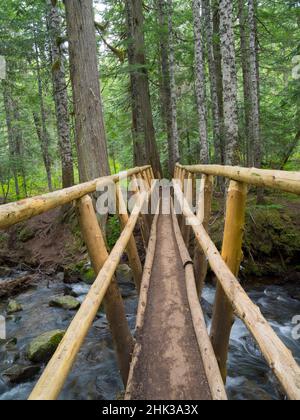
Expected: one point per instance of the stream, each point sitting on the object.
(95, 374)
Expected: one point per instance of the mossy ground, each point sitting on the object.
(272, 235)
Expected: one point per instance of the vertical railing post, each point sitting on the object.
(132, 252)
(223, 316)
(145, 231)
(203, 214)
(113, 303)
(189, 198)
(182, 218)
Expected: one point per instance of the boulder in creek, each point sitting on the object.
(124, 273)
(65, 302)
(13, 307)
(20, 373)
(43, 347)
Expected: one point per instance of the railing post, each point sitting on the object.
(203, 214)
(145, 231)
(113, 303)
(189, 198)
(223, 316)
(182, 218)
(132, 252)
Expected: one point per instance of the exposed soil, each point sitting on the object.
(48, 241)
(169, 366)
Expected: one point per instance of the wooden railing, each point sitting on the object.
(105, 288)
(231, 299)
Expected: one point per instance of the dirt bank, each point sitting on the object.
(53, 241)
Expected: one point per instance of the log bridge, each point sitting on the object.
(171, 356)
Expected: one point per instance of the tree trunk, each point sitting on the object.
(41, 124)
(143, 127)
(200, 81)
(244, 35)
(89, 123)
(8, 106)
(173, 89)
(165, 39)
(254, 88)
(217, 122)
(165, 72)
(19, 146)
(138, 135)
(60, 96)
(219, 73)
(231, 128)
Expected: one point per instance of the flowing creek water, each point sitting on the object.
(95, 374)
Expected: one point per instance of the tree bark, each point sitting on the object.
(244, 36)
(41, 123)
(165, 71)
(254, 87)
(231, 127)
(200, 81)
(219, 73)
(217, 122)
(173, 89)
(89, 122)
(60, 95)
(143, 127)
(8, 106)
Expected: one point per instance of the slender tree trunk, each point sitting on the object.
(166, 83)
(244, 35)
(207, 11)
(39, 133)
(231, 127)
(60, 96)
(165, 87)
(44, 135)
(200, 80)
(8, 106)
(138, 135)
(143, 126)
(89, 123)
(173, 89)
(19, 146)
(254, 87)
(219, 73)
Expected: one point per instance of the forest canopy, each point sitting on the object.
(197, 81)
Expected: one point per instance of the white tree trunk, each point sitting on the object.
(254, 91)
(207, 11)
(229, 83)
(200, 81)
(175, 134)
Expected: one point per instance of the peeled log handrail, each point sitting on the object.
(279, 180)
(54, 376)
(277, 355)
(13, 213)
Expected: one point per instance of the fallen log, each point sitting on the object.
(12, 287)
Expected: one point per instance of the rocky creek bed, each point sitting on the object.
(95, 374)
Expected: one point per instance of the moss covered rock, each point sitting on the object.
(25, 234)
(13, 307)
(65, 302)
(124, 273)
(43, 347)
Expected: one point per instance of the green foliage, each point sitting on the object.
(113, 231)
(24, 23)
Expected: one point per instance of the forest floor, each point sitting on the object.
(53, 242)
